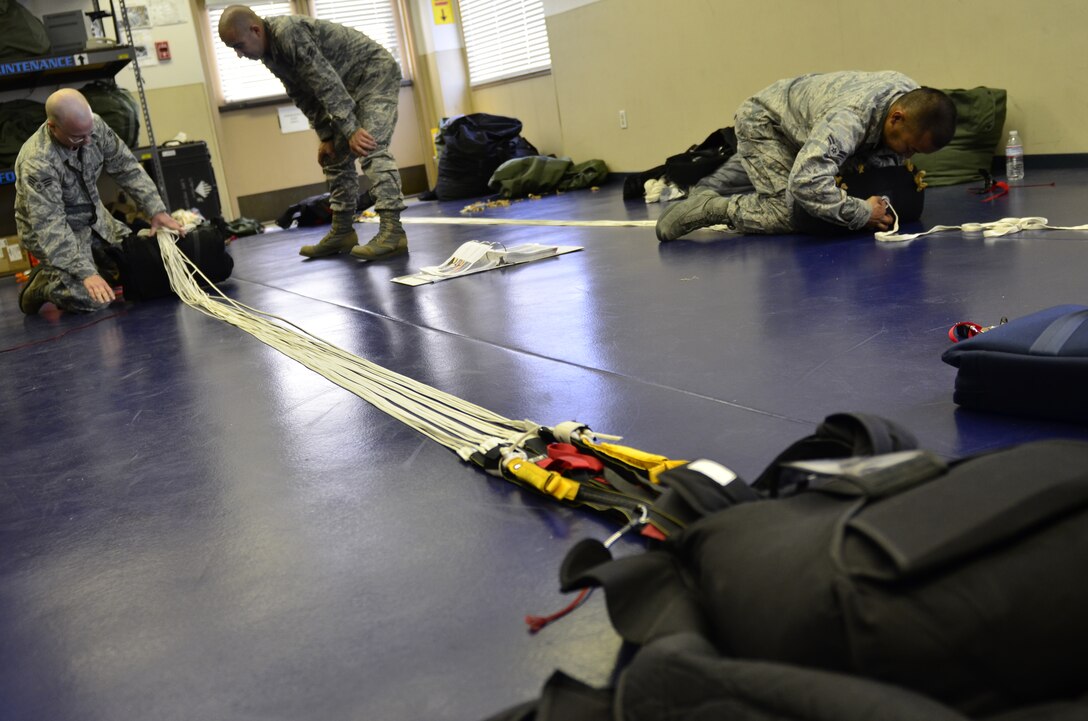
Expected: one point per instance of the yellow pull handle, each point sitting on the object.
(549, 482)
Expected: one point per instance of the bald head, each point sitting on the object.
(69, 118)
(243, 31)
(67, 105)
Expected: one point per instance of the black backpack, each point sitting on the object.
(471, 148)
(858, 556)
(689, 167)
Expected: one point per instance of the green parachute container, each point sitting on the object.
(117, 107)
(21, 34)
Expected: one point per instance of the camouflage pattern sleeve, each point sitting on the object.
(326, 102)
(122, 166)
(44, 202)
(812, 179)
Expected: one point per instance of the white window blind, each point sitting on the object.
(374, 18)
(504, 38)
(241, 78)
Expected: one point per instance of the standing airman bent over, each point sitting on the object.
(347, 85)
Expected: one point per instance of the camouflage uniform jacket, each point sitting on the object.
(325, 67)
(57, 204)
(833, 121)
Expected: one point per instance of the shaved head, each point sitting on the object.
(243, 31)
(68, 106)
(69, 118)
(237, 17)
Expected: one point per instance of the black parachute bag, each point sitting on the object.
(962, 581)
(472, 148)
(19, 119)
(21, 34)
(902, 185)
(143, 274)
(117, 108)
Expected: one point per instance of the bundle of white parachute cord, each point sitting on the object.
(457, 424)
(992, 229)
(446, 419)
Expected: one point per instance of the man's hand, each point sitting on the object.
(879, 217)
(362, 143)
(164, 220)
(99, 289)
(325, 152)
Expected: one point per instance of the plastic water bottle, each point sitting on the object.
(1014, 158)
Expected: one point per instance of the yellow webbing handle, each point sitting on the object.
(650, 462)
(549, 482)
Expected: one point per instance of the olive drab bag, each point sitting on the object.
(858, 555)
(21, 34)
(117, 108)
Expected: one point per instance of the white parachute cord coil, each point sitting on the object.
(444, 418)
(992, 229)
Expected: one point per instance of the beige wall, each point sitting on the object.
(680, 68)
(536, 108)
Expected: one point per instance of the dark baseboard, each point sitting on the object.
(1056, 161)
(268, 206)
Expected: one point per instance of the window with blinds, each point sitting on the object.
(241, 79)
(504, 38)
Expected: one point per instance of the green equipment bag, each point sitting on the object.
(117, 107)
(21, 34)
(19, 119)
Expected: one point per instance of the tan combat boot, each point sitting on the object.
(341, 238)
(390, 241)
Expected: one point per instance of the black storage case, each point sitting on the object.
(190, 180)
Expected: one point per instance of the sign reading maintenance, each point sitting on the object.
(31, 65)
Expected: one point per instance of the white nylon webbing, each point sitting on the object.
(514, 221)
(457, 424)
(993, 229)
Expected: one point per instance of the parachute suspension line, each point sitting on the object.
(446, 419)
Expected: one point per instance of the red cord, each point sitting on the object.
(538, 622)
(60, 335)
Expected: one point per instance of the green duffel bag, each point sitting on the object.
(533, 174)
(19, 119)
(980, 119)
(117, 107)
(21, 34)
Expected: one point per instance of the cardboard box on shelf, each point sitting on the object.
(13, 257)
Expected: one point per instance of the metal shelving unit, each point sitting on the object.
(83, 67)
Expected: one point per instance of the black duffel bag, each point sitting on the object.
(143, 274)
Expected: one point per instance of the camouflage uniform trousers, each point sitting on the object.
(67, 292)
(377, 113)
(756, 179)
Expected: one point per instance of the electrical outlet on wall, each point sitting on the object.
(623, 119)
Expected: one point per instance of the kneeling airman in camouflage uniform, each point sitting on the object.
(347, 85)
(795, 136)
(59, 213)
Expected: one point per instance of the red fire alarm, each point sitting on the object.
(162, 49)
